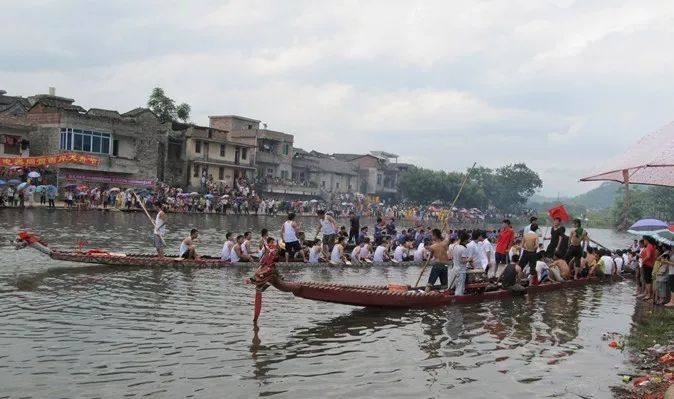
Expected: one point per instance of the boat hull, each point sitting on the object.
(381, 296)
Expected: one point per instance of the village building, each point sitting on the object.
(324, 172)
(378, 171)
(131, 146)
(199, 151)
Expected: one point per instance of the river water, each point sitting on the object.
(71, 330)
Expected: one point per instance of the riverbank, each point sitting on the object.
(650, 347)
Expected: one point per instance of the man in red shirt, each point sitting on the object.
(506, 236)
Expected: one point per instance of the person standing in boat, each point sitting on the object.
(227, 247)
(289, 231)
(506, 237)
(556, 238)
(577, 240)
(187, 248)
(461, 261)
(160, 230)
(354, 229)
(328, 226)
(530, 252)
(438, 252)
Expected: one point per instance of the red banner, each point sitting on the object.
(109, 180)
(64, 158)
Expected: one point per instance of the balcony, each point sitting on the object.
(268, 158)
(111, 164)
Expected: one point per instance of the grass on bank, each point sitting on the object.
(656, 328)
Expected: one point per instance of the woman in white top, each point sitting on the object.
(337, 254)
(227, 248)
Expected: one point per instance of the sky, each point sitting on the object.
(561, 85)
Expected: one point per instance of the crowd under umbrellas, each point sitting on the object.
(17, 193)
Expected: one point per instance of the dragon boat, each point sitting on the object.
(401, 295)
(108, 258)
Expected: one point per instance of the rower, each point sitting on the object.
(315, 252)
(245, 246)
(289, 231)
(187, 249)
(461, 260)
(381, 253)
(227, 247)
(365, 251)
(237, 254)
(438, 251)
(529, 253)
(402, 252)
(355, 253)
(577, 239)
(160, 230)
(337, 255)
(328, 225)
(264, 234)
(421, 254)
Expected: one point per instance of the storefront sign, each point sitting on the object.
(117, 181)
(64, 158)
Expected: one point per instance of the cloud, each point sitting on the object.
(556, 84)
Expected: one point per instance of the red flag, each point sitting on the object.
(559, 212)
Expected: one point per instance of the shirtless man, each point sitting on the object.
(529, 253)
(187, 249)
(562, 267)
(438, 252)
(577, 239)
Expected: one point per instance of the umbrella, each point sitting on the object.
(225, 196)
(51, 189)
(209, 196)
(114, 190)
(40, 189)
(665, 237)
(14, 182)
(70, 187)
(82, 187)
(648, 227)
(2, 183)
(313, 201)
(33, 175)
(194, 193)
(22, 186)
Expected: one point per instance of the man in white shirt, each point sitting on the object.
(381, 253)
(490, 256)
(402, 252)
(421, 254)
(474, 251)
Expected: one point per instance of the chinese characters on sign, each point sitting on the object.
(64, 158)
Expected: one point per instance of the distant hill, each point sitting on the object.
(598, 198)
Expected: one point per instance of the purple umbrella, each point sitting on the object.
(648, 227)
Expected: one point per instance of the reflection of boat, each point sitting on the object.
(384, 296)
(97, 256)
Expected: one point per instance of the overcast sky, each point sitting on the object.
(559, 84)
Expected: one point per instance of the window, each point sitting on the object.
(196, 171)
(210, 134)
(270, 172)
(337, 185)
(379, 178)
(197, 146)
(115, 147)
(221, 173)
(250, 127)
(284, 174)
(286, 149)
(204, 171)
(87, 141)
(244, 153)
(323, 184)
(222, 151)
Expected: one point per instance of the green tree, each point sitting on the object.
(514, 184)
(165, 108)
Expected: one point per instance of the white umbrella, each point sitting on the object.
(33, 175)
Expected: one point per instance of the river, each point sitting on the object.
(72, 330)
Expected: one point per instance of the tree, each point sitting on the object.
(165, 108)
(656, 202)
(514, 185)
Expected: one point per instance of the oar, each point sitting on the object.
(148, 215)
(465, 179)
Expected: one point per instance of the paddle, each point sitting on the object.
(445, 225)
(148, 215)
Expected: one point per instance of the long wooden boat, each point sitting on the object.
(388, 296)
(101, 257)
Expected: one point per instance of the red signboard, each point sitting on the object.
(118, 181)
(64, 158)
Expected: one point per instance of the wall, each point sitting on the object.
(230, 123)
